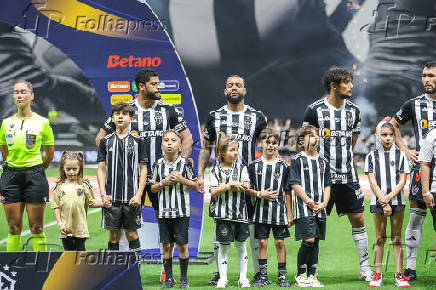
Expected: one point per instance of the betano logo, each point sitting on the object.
(118, 86)
(133, 61)
(428, 124)
(325, 133)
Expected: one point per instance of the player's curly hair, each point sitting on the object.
(70, 155)
(335, 75)
(224, 142)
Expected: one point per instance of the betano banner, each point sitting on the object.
(82, 56)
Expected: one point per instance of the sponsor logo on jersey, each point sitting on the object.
(133, 61)
(145, 134)
(30, 140)
(427, 124)
(327, 133)
(118, 86)
(340, 176)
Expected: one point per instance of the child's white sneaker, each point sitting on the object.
(313, 280)
(301, 281)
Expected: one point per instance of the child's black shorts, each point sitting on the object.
(230, 231)
(379, 210)
(310, 227)
(28, 185)
(261, 231)
(121, 216)
(173, 230)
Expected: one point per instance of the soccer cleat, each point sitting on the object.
(376, 280)
(365, 276)
(184, 284)
(401, 280)
(222, 283)
(244, 283)
(283, 282)
(410, 274)
(215, 279)
(313, 280)
(168, 283)
(261, 281)
(301, 281)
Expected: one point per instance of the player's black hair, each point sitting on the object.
(144, 76)
(335, 75)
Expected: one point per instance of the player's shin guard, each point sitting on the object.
(39, 242)
(223, 255)
(361, 239)
(241, 247)
(14, 243)
(413, 235)
(254, 246)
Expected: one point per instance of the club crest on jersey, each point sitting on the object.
(247, 121)
(30, 140)
(158, 118)
(130, 148)
(277, 174)
(9, 139)
(349, 118)
(224, 231)
(235, 175)
(79, 191)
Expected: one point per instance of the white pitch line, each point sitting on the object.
(50, 224)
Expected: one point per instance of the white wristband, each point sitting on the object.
(426, 194)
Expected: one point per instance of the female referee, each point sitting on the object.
(23, 181)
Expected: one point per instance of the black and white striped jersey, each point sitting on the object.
(422, 112)
(274, 175)
(229, 205)
(150, 124)
(427, 153)
(245, 125)
(122, 157)
(336, 130)
(173, 199)
(387, 167)
(313, 175)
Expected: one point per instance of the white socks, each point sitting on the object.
(254, 246)
(223, 255)
(361, 239)
(241, 247)
(413, 235)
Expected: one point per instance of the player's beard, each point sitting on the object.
(430, 92)
(153, 96)
(233, 100)
(344, 96)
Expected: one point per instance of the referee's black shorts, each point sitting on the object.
(28, 185)
(348, 198)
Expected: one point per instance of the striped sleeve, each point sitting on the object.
(244, 175)
(155, 173)
(369, 163)
(213, 178)
(357, 122)
(404, 163)
(294, 175)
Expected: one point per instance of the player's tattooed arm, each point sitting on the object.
(186, 143)
(203, 161)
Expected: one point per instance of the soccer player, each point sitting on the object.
(338, 121)
(228, 182)
(421, 110)
(270, 173)
(310, 179)
(152, 118)
(387, 169)
(172, 177)
(121, 175)
(23, 181)
(238, 119)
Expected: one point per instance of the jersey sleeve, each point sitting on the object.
(426, 150)
(56, 202)
(310, 117)
(209, 129)
(3, 134)
(108, 126)
(155, 176)
(89, 193)
(404, 163)
(369, 164)
(294, 174)
(189, 172)
(261, 124)
(244, 175)
(327, 175)
(357, 122)
(213, 178)
(176, 120)
(101, 154)
(405, 113)
(252, 175)
(47, 134)
(142, 152)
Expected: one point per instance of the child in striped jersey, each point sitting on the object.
(387, 168)
(310, 179)
(228, 182)
(269, 176)
(172, 177)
